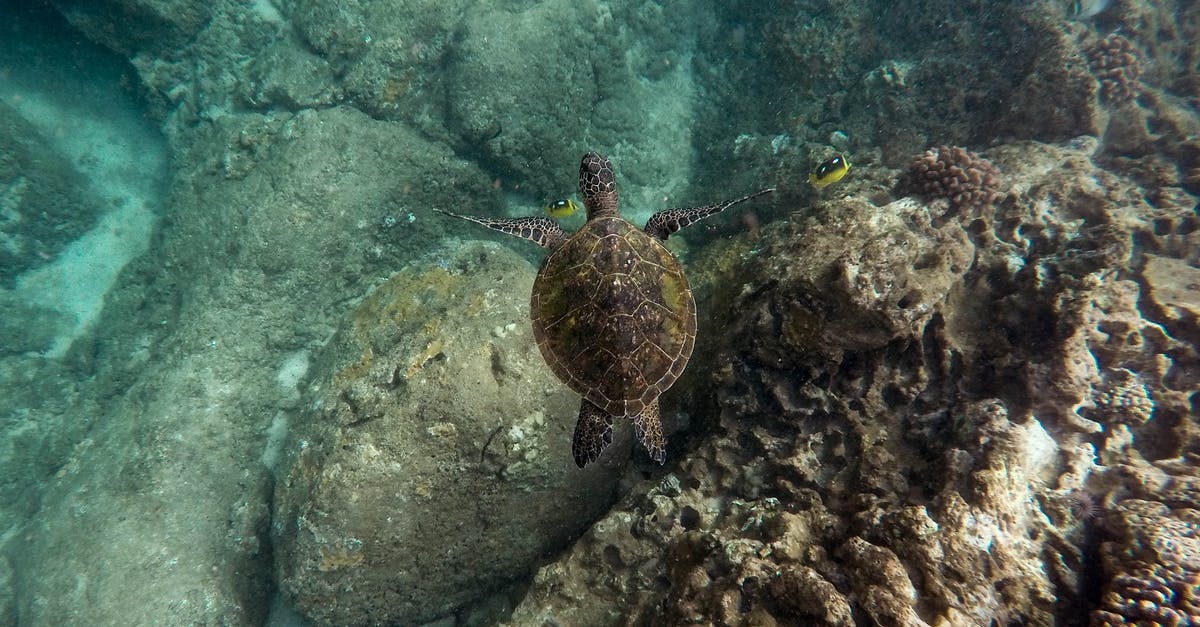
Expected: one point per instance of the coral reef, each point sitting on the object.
(1115, 62)
(875, 75)
(889, 410)
(908, 457)
(1151, 548)
(1146, 595)
(1126, 399)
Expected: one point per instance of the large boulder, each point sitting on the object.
(131, 25)
(153, 481)
(530, 90)
(432, 463)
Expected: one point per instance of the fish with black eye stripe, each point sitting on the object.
(829, 172)
(562, 208)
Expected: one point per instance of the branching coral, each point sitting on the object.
(1116, 63)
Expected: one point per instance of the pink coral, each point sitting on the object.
(1116, 63)
(968, 180)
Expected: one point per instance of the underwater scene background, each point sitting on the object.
(251, 377)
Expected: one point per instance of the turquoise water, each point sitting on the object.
(944, 372)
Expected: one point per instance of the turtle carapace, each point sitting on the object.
(612, 312)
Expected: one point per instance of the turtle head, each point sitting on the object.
(598, 185)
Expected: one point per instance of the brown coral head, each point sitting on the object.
(1116, 64)
(1148, 594)
(968, 180)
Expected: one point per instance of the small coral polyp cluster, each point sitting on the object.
(1144, 597)
(1152, 551)
(1115, 62)
(966, 179)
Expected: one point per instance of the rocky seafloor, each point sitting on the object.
(960, 387)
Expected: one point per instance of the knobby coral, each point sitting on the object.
(1149, 595)
(1126, 399)
(966, 179)
(1115, 62)
(1153, 559)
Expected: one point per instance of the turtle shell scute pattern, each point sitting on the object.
(614, 316)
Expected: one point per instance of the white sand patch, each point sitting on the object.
(267, 11)
(77, 281)
(276, 437)
(71, 92)
(294, 367)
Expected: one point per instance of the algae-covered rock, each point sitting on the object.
(153, 486)
(901, 407)
(491, 108)
(130, 25)
(855, 276)
(26, 326)
(433, 463)
(528, 99)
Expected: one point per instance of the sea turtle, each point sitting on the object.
(612, 313)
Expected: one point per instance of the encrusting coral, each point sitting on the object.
(1127, 400)
(1115, 62)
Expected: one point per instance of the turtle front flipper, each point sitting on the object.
(593, 432)
(647, 426)
(542, 231)
(667, 221)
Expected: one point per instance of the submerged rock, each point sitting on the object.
(631, 61)
(149, 481)
(45, 203)
(432, 465)
(903, 409)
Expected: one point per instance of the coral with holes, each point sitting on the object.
(1126, 399)
(1116, 64)
(966, 179)
(899, 410)
(1148, 596)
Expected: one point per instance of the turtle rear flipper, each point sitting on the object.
(647, 426)
(541, 231)
(593, 432)
(667, 221)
